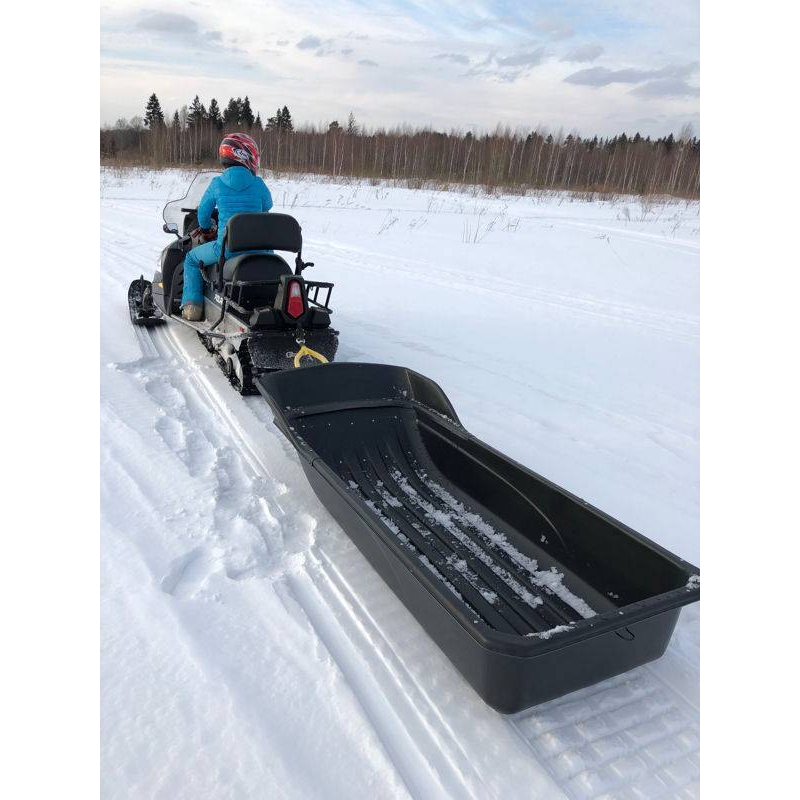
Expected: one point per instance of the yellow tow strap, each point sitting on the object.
(307, 351)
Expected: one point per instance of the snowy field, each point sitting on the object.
(248, 649)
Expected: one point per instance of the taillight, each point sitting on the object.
(294, 305)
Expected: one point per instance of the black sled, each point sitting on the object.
(260, 315)
(530, 591)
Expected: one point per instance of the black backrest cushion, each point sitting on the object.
(264, 231)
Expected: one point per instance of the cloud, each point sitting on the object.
(345, 51)
(166, 22)
(456, 58)
(309, 43)
(529, 59)
(508, 69)
(666, 87)
(553, 28)
(367, 62)
(601, 76)
(583, 53)
(214, 36)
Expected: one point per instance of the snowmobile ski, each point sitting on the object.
(142, 309)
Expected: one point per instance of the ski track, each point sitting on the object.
(636, 735)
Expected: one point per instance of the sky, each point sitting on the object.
(598, 67)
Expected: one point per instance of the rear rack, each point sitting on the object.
(232, 291)
(317, 286)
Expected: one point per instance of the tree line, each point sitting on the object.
(504, 159)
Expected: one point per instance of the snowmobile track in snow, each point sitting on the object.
(631, 736)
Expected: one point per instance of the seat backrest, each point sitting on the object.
(263, 231)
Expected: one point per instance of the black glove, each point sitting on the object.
(202, 235)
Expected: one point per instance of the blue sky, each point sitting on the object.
(595, 67)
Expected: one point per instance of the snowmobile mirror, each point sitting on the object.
(170, 227)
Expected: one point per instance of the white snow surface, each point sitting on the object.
(248, 649)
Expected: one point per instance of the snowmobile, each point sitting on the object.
(260, 314)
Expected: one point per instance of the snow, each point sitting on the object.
(248, 649)
(459, 516)
(551, 579)
(551, 632)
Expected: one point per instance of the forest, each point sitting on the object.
(504, 159)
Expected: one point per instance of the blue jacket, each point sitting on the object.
(233, 192)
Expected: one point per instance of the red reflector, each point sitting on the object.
(294, 305)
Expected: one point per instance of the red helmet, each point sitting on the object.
(239, 149)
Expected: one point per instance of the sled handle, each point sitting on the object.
(307, 351)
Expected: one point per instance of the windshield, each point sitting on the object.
(175, 211)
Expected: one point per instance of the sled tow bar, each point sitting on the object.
(305, 351)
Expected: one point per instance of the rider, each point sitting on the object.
(238, 189)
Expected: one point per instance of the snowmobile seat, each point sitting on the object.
(245, 235)
(255, 267)
(253, 278)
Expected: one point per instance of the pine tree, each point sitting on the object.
(214, 115)
(274, 123)
(176, 122)
(153, 115)
(334, 127)
(257, 124)
(286, 120)
(233, 113)
(352, 125)
(246, 113)
(197, 113)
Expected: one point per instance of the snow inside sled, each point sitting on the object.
(530, 591)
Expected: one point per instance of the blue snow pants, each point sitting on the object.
(208, 253)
